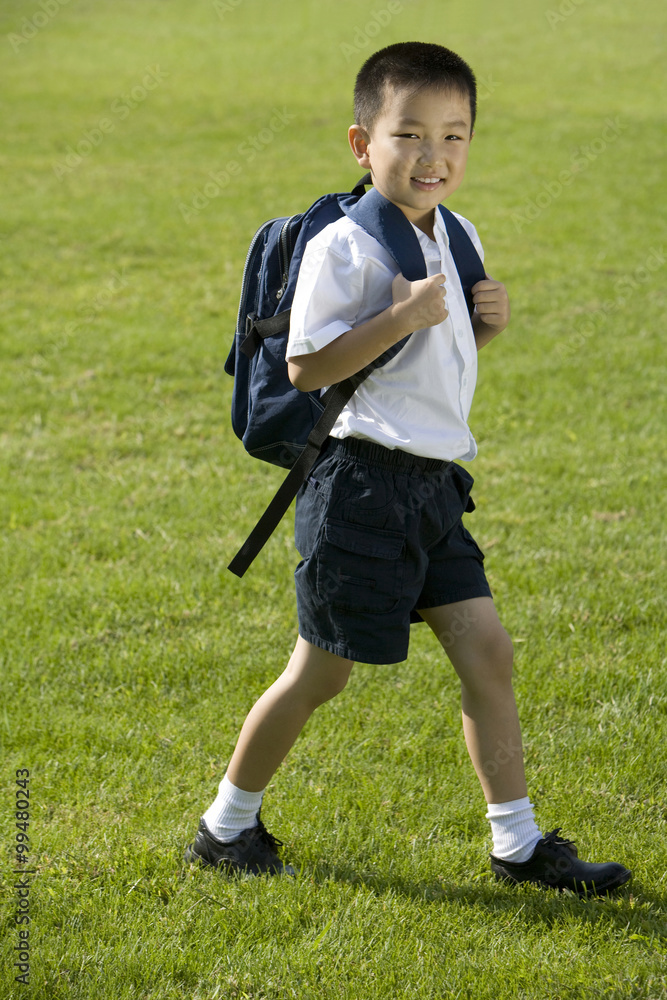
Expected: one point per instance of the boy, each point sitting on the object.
(378, 523)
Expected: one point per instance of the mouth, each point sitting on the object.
(427, 183)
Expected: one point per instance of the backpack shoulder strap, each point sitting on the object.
(389, 226)
(468, 262)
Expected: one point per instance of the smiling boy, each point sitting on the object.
(379, 521)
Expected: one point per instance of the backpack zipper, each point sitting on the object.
(240, 321)
(285, 255)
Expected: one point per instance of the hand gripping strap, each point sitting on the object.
(468, 262)
(390, 227)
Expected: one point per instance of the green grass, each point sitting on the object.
(130, 655)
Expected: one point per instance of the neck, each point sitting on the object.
(426, 223)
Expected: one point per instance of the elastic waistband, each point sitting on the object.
(387, 458)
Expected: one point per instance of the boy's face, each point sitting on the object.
(417, 150)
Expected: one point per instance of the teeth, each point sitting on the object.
(428, 180)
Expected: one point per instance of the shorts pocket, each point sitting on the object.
(473, 544)
(463, 483)
(307, 520)
(360, 568)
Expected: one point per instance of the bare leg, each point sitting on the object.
(312, 677)
(481, 653)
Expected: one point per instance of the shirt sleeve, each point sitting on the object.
(327, 299)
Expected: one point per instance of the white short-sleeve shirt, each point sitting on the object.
(420, 400)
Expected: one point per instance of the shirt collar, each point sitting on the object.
(430, 247)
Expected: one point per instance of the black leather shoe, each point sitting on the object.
(253, 852)
(555, 865)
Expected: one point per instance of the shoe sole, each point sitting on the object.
(230, 868)
(585, 891)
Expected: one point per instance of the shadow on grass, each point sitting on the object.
(629, 907)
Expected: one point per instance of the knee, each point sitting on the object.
(502, 655)
(500, 646)
(330, 686)
(490, 663)
(319, 679)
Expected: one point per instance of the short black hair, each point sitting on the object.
(413, 65)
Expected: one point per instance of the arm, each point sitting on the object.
(492, 310)
(415, 306)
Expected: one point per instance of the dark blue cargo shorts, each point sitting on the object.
(380, 536)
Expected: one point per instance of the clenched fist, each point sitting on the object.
(419, 303)
(492, 303)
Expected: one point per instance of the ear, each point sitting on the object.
(359, 140)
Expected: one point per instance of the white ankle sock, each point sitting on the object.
(514, 830)
(233, 811)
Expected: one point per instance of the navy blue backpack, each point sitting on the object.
(277, 422)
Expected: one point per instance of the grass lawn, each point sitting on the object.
(143, 143)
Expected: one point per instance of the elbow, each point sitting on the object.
(300, 379)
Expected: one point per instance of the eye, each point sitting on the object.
(407, 135)
(448, 137)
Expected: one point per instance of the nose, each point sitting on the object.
(428, 154)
